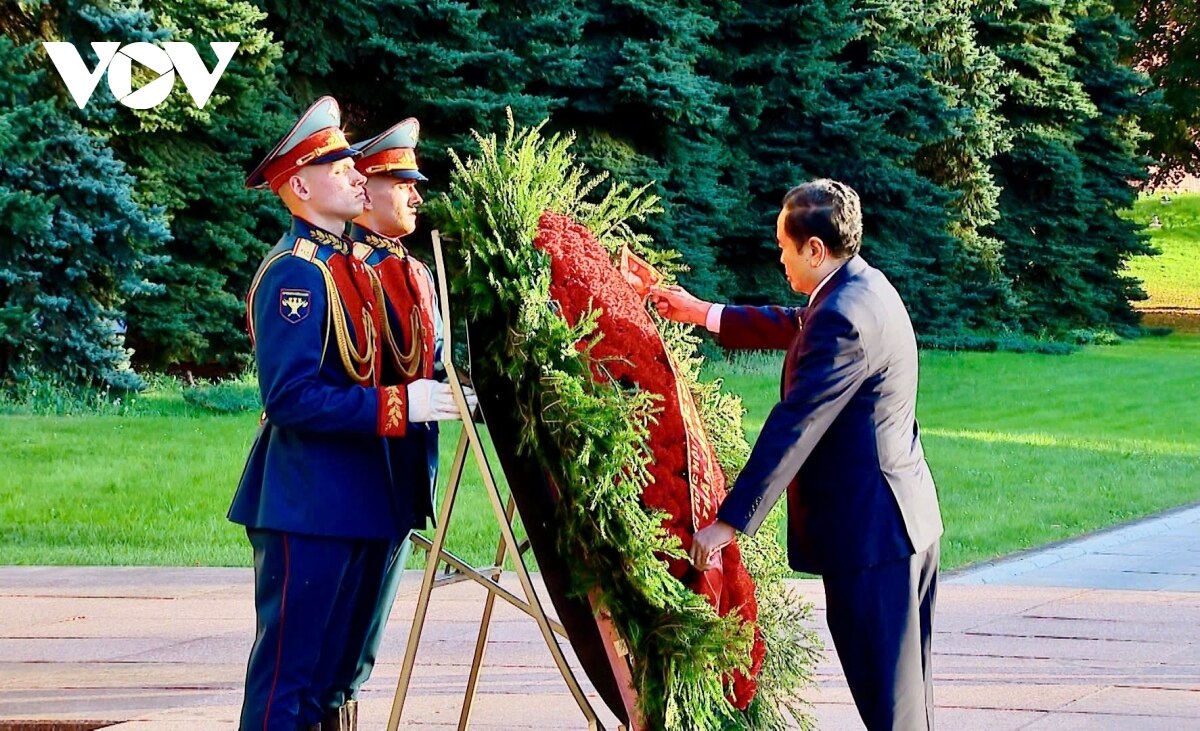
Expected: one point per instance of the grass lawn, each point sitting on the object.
(1025, 448)
(1172, 279)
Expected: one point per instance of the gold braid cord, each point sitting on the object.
(351, 359)
(408, 363)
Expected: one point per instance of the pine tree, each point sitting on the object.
(1045, 203)
(647, 111)
(192, 163)
(776, 63)
(908, 216)
(438, 61)
(959, 145)
(75, 241)
(189, 165)
(1108, 152)
(621, 74)
(843, 90)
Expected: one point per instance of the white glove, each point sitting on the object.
(429, 400)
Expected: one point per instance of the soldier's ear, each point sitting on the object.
(299, 188)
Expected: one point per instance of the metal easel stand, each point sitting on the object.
(489, 576)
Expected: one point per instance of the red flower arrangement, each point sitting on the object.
(688, 484)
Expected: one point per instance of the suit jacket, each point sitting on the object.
(319, 464)
(843, 441)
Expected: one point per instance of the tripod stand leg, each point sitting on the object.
(431, 564)
(485, 624)
(510, 541)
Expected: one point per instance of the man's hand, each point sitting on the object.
(638, 272)
(678, 304)
(708, 541)
(430, 400)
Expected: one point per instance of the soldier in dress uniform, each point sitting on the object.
(318, 496)
(411, 349)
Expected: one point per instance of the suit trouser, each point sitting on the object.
(881, 619)
(304, 593)
(354, 650)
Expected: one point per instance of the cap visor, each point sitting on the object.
(336, 155)
(408, 175)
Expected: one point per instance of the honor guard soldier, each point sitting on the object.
(411, 351)
(317, 495)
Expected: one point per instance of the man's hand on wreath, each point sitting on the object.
(708, 541)
(678, 304)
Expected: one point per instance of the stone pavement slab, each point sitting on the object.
(1006, 656)
(1100, 633)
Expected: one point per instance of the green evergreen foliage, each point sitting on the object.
(959, 144)
(1071, 107)
(592, 437)
(192, 164)
(910, 219)
(75, 241)
(777, 63)
(1041, 176)
(1108, 152)
(189, 164)
(441, 61)
(879, 95)
(628, 78)
(990, 142)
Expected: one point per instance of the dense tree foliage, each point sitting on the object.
(993, 143)
(73, 241)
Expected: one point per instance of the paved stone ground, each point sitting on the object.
(1100, 633)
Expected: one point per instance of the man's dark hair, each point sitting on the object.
(828, 210)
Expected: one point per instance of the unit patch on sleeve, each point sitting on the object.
(294, 304)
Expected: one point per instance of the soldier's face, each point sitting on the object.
(392, 205)
(334, 190)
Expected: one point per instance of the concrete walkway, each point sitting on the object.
(1098, 633)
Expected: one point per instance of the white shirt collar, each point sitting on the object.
(816, 289)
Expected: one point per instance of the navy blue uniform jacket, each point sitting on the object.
(318, 465)
(843, 441)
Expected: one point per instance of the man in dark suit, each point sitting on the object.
(843, 442)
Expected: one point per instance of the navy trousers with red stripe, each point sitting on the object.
(311, 594)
